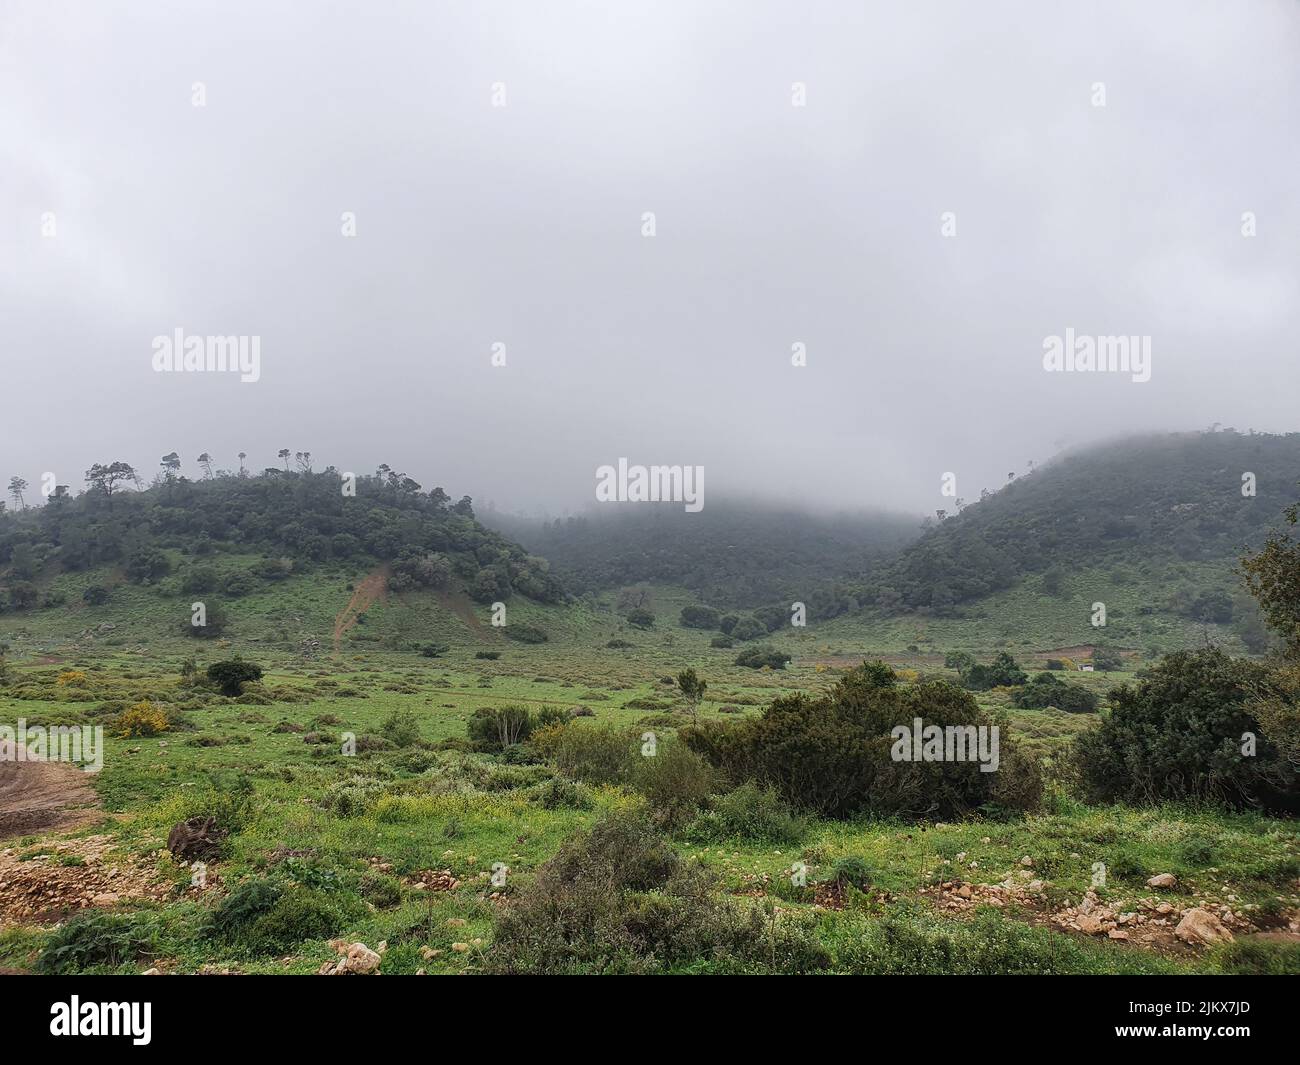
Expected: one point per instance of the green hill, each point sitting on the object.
(1135, 505)
(283, 547)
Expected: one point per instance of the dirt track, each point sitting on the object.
(39, 796)
(368, 591)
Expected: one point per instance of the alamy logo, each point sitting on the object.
(179, 353)
(103, 1018)
(76, 744)
(1089, 354)
(651, 484)
(919, 742)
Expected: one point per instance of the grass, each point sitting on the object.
(417, 809)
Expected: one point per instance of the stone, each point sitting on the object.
(1200, 926)
(1162, 880)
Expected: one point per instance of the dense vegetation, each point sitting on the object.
(1148, 498)
(729, 555)
(294, 519)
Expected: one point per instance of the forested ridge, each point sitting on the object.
(1143, 499)
(295, 518)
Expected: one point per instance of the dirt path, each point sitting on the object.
(369, 590)
(40, 796)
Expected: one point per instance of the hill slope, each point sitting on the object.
(1132, 503)
(729, 554)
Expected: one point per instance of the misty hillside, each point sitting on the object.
(1134, 502)
(729, 554)
(234, 535)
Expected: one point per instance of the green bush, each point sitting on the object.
(260, 917)
(98, 941)
(852, 871)
(700, 617)
(496, 728)
(619, 899)
(758, 657)
(675, 780)
(1047, 690)
(595, 754)
(751, 813)
(1178, 734)
(401, 728)
(748, 628)
(1001, 672)
(832, 754)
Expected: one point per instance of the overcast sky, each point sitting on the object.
(127, 212)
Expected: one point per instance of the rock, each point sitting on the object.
(358, 960)
(199, 838)
(1117, 934)
(1201, 926)
(105, 898)
(1026, 860)
(1162, 880)
(460, 948)
(1164, 908)
(1089, 925)
(963, 892)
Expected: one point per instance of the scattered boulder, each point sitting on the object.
(356, 959)
(1162, 880)
(1089, 925)
(1200, 926)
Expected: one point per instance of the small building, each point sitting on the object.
(1086, 669)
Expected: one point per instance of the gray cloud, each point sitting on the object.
(521, 224)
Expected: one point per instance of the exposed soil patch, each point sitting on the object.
(59, 878)
(40, 796)
(369, 590)
(459, 604)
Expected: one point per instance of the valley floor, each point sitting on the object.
(420, 845)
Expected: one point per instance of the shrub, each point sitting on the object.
(494, 729)
(489, 656)
(619, 645)
(619, 899)
(1003, 671)
(674, 779)
(833, 754)
(758, 657)
(96, 940)
(852, 870)
(382, 892)
(434, 650)
(1046, 690)
(748, 628)
(239, 583)
(640, 618)
(95, 595)
(594, 754)
(231, 675)
(260, 917)
(401, 728)
(700, 617)
(1107, 659)
(1178, 734)
(750, 813)
(722, 641)
(142, 719)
